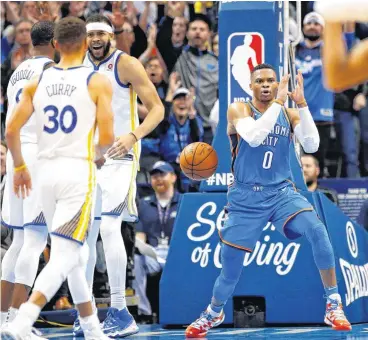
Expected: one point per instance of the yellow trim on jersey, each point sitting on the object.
(133, 123)
(80, 231)
(132, 208)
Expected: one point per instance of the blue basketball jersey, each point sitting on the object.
(267, 164)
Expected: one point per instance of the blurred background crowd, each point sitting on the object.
(178, 44)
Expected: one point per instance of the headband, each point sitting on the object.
(99, 26)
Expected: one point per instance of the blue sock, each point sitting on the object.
(331, 290)
(216, 307)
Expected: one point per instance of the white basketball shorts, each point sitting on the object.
(68, 188)
(17, 212)
(117, 184)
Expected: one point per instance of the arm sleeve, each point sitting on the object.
(253, 131)
(306, 131)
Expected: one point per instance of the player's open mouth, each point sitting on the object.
(96, 48)
(266, 93)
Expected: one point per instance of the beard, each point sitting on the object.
(104, 54)
(161, 188)
(312, 37)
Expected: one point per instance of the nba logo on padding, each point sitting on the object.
(245, 51)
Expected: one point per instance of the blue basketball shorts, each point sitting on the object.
(250, 208)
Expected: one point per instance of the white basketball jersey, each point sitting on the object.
(124, 99)
(23, 73)
(65, 114)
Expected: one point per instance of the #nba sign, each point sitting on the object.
(245, 51)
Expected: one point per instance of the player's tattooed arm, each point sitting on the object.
(131, 71)
(22, 112)
(343, 69)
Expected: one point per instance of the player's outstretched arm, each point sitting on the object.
(100, 89)
(22, 112)
(343, 69)
(253, 131)
(134, 73)
(301, 120)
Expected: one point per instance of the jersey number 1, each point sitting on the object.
(56, 121)
(267, 160)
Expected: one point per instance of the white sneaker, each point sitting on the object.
(9, 334)
(95, 334)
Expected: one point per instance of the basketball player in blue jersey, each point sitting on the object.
(116, 178)
(261, 131)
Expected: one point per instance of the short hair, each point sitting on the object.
(70, 30)
(315, 160)
(263, 66)
(98, 18)
(202, 17)
(154, 57)
(42, 33)
(21, 21)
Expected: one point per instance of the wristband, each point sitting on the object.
(303, 102)
(131, 133)
(19, 168)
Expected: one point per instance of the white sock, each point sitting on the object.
(3, 318)
(12, 313)
(90, 322)
(213, 313)
(26, 317)
(117, 298)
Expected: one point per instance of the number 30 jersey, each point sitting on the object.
(65, 113)
(268, 164)
(23, 73)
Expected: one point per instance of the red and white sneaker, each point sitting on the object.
(200, 327)
(335, 316)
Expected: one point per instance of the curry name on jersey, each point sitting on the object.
(65, 113)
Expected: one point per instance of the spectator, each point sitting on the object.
(156, 75)
(20, 52)
(320, 100)
(215, 45)
(346, 120)
(156, 222)
(360, 105)
(311, 171)
(198, 68)
(183, 127)
(171, 39)
(363, 215)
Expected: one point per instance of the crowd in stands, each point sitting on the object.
(178, 44)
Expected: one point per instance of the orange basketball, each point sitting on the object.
(198, 161)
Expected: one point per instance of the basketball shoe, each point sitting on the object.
(200, 327)
(77, 329)
(335, 316)
(119, 323)
(8, 333)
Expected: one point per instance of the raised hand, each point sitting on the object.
(44, 12)
(297, 96)
(174, 82)
(118, 17)
(151, 40)
(282, 91)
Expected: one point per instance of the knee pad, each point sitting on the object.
(11, 256)
(65, 256)
(28, 260)
(110, 226)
